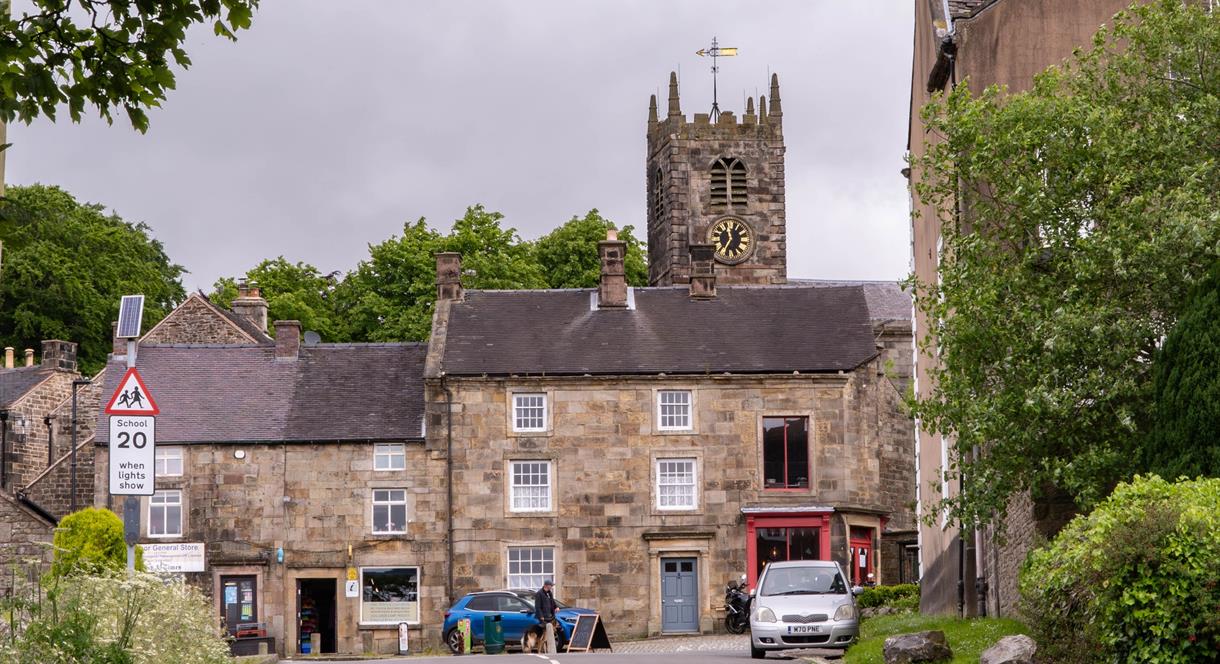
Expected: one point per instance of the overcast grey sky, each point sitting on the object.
(329, 124)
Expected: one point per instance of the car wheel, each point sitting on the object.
(757, 653)
(454, 641)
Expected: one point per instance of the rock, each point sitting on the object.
(1018, 649)
(917, 647)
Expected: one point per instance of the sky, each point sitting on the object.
(328, 125)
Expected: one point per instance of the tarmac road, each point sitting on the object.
(599, 658)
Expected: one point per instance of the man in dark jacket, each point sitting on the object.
(544, 609)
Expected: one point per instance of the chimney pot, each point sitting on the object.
(250, 304)
(287, 339)
(60, 355)
(8, 357)
(702, 272)
(449, 276)
(612, 290)
(29, 357)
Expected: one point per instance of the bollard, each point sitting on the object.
(550, 638)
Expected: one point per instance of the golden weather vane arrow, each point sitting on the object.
(716, 51)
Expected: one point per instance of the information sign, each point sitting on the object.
(352, 588)
(132, 438)
(174, 557)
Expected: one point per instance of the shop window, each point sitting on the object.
(389, 511)
(786, 452)
(529, 412)
(779, 544)
(168, 461)
(389, 456)
(529, 566)
(531, 486)
(165, 514)
(389, 595)
(673, 410)
(676, 484)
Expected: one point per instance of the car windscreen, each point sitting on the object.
(802, 581)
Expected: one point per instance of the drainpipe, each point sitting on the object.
(980, 578)
(4, 449)
(449, 482)
(50, 448)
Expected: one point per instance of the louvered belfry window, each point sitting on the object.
(728, 182)
(658, 196)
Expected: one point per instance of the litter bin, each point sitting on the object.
(493, 634)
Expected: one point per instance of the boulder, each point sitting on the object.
(918, 647)
(1018, 649)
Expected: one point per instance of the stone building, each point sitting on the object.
(1004, 42)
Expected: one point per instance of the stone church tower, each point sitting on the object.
(717, 182)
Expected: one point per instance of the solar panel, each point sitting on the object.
(131, 311)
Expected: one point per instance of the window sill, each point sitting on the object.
(534, 514)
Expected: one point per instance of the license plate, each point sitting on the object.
(804, 629)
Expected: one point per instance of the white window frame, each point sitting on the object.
(389, 503)
(530, 579)
(389, 452)
(163, 455)
(513, 486)
(163, 506)
(694, 483)
(517, 406)
(418, 592)
(661, 414)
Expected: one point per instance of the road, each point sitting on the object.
(599, 658)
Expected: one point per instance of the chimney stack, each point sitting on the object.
(702, 272)
(59, 355)
(29, 357)
(287, 339)
(612, 292)
(448, 276)
(250, 304)
(8, 357)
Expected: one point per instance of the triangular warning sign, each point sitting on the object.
(132, 397)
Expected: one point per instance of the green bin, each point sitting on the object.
(493, 634)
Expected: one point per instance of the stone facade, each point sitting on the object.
(602, 441)
(680, 158)
(27, 443)
(196, 321)
(25, 539)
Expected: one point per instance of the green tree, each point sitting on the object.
(568, 255)
(1089, 207)
(294, 291)
(90, 541)
(111, 54)
(390, 296)
(66, 265)
(1185, 436)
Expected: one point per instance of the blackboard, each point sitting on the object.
(588, 633)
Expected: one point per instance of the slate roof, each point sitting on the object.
(886, 300)
(15, 383)
(742, 330)
(241, 393)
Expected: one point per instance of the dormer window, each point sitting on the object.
(728, 183)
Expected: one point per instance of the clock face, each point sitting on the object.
(732, 240)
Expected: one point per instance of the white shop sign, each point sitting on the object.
(174, 558)
(132, 438)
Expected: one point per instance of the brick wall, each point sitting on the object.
(195, 322)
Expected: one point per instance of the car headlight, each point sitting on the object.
(763, 614)
(845, 612)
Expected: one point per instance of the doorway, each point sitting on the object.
(862, 557)
(316, 613)
(679, 595)
(239, 604)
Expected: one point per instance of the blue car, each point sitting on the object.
(516, 609)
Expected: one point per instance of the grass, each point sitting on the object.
(968, 637)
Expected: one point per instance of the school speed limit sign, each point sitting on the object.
(132, 438)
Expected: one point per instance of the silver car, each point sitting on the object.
(802, 604)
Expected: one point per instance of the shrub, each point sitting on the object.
(897, 596)
(1137, 579)
(90, 541)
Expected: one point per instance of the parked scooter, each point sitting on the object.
(737, 606)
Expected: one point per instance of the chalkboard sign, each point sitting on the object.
(588, 633)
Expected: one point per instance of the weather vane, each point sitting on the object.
(716, 51)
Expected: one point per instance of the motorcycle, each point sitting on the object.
(737, 606)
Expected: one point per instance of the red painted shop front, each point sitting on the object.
(772, 537)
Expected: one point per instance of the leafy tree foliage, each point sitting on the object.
(568, 255)
(294, 291)
(1185, 438)
(67, 264)
(90, 541)
(1090, 205)
(111, 54)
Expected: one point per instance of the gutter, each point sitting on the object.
(36, 508)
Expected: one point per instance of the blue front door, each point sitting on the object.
(679, 595)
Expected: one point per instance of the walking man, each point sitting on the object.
(544, 611)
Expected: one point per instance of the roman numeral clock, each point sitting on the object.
(732, 240)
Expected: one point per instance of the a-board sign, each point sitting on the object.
(588, 633)
(132, 438)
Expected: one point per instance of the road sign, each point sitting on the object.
(132, 397)
(132, 439)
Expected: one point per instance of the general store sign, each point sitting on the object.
(174, 558)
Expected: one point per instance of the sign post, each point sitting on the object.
(133, 440)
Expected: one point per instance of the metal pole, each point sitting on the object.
(131, 505)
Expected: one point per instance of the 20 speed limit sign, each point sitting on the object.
(132, 439)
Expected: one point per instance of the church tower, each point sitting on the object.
(721, 183)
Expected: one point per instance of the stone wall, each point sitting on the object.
(28, 451)
(52, 490)
(1028, 524)
(25, 541)
(313, 502)
(196, 322)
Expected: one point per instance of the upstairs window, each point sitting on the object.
(785, 452)
(389, 511)
(389, 456)
(165, 514)
(529, 412)
(676, 488)
(728, 183)
(531, 486)
(168, 461)
(673, 410)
